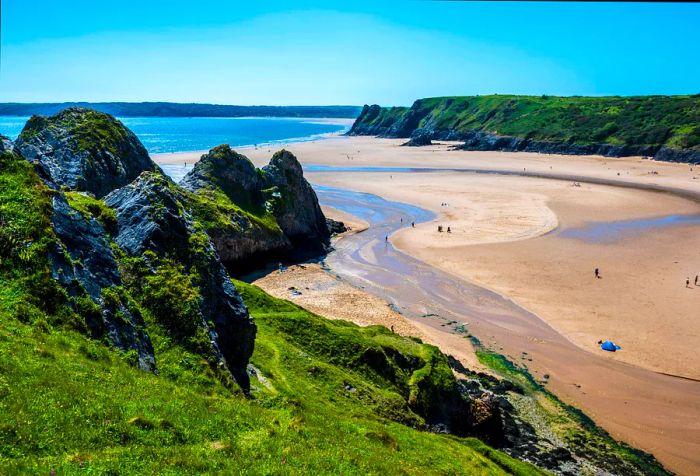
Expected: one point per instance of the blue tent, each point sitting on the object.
(610, 346)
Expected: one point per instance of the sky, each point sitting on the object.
(316, 53)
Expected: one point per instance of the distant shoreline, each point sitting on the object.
(173, 109)
(191, 156)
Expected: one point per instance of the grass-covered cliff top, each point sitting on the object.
(671, 121)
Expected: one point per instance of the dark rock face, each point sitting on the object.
(419, 137)
(478, 140)
(276, 214)
(371, 123)
(298, 213)
(83, 150)
(231, 172)
(83, 262)
(151, 216)
(336, 227)
(6, 144)
(677, 155)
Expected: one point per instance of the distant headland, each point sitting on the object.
(172, 109)
(662, 127)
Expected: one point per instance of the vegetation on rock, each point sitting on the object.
(72, 404)
(641, 125)
(83, 150)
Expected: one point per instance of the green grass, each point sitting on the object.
(93, 131)
(91, 207)
(70, 404)
(73, 405)
(642, 121)
(217, 213)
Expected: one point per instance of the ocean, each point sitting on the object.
(186, 134)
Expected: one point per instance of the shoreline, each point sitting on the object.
(612, 189)
(192, 156)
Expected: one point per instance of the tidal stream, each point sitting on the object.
(649, 409)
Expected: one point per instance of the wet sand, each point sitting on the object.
(652, 411)
(505, 238)
(325, 293)
(502, 238)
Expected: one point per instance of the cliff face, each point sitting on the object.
(83, 150)
(155, 227)
(256, 216)
(295, 204)
(136, 262)
(664, 127)
(6, 144)
(130, 249)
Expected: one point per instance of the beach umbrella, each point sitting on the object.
(610, 346)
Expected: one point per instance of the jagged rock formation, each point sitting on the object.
(335, 227)
(83, 150)
(662, 127)
(296, 209)
(419, 138)
(83, 263)
(151, 249)
(6, 144)
(152, 217)
(256, 215)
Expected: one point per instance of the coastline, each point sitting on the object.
(620, 198)
(187, 157)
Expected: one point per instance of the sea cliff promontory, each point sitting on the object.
(663, 127)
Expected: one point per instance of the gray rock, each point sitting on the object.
(419, 138)
(297, 211)
(6, 144)
(84, 150)
(152, 215)
(335, 227)
(298, 228)
(231, 172)
(82, 262)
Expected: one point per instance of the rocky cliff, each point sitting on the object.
(85, 150)
(254, 215)
(155, 228)
(138, 258)
(131, 250)
(6, 144)
(663, 127)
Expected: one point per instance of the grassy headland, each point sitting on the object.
(631, 125)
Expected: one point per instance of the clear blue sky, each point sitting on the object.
(341, 53)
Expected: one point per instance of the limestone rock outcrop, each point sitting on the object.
(84, 150)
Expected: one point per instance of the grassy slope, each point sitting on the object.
(73, 405)
(673, 121)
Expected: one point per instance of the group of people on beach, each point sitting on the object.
(687, 281)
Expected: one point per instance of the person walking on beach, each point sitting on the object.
(413, 225)
(696, 279)
(687, 282)
(597, 273)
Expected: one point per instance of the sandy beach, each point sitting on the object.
(501, 236)
(512, 234)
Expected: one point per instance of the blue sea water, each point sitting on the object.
(184, 134)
